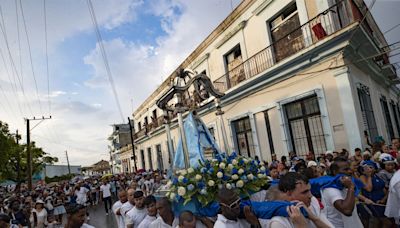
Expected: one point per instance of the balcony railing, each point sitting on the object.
(328, 22)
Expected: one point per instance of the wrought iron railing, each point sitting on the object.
(326, 23)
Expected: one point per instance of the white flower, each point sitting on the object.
(240, 171)
(234, 162)
(203, 191)
(214, 160)
(180, 178)
(181, 191)
(228, 186)
(239, 183)
(245, 160)
(262, 163)
(220, 175)
(183, 172)
(198, 177)
(260, 175)
(230, 166)
(222, 165)
(250, 176)
(211, 183)
(169, 183)
(262, 168)
(190, 170)
(172, 196)
(235, 177)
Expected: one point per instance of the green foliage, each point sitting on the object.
(13, 157)
(59, 178)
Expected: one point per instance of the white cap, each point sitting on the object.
(329, 152)
(311, 163)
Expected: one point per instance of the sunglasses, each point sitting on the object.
(233, 205)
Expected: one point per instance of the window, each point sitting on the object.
(233, 60)
(142, 158)
(244, 137)
(386, 115)
(212, 131)
(154, 116)
(146, 121)
(367, 112)
(305, 126)
(269, 133)
(159, 157)
(139, 126)
(396, 118)
(150, 158)
(286, 33)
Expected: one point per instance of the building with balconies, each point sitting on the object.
(298, 75)
(119, 138)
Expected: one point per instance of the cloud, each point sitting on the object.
(57, 93)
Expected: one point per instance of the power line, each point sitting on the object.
(30, 54)
(391, 28)
(19, 42)
(47, 55)
(104, 55)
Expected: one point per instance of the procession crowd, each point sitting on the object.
(367, 194)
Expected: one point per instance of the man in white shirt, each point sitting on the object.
(105, 194)
(393, 203)
(295, 187)
(229, 202)
(127, 206)
(136, 215)
(81, 194)
(150, 204)
(339, 205)
(76, 217)
(123, 198)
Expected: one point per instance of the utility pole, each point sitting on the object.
(69, 168)
(133, 146)
(28, 147)
(18, 160)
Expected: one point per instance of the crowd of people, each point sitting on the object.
(366, 194)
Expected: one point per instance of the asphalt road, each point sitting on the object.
(99, 219)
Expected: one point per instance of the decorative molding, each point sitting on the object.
(261, 7)
(229, 35)
(200, 61)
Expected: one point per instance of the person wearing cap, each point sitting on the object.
(39, 214)
(136, 215)
(388, 165)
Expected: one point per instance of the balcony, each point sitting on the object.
(332, 20)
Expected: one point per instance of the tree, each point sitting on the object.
(14, 157)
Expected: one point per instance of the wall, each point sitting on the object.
(59, 170)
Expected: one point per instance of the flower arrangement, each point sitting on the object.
(242, 174)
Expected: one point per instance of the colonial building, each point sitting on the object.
(127, 162)
(99, 168)
(119, 138)
(298, 75)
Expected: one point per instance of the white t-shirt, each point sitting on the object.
(81, 195)
(41, 217)
(329, 196)
(159, 223)
(223, 222)
(127, 206)
(84, 225)
(106, 189)
(120, 220)
(393, 203)
(147, 221)
(135, 216)
(284, 222)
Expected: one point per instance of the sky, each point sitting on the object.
(145, 40)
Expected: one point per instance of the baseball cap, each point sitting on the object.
(329, 152)
(311, 163)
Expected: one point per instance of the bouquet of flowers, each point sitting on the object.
(242, 174)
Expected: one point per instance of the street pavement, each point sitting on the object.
(99, 219)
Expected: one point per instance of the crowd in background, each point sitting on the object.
(131, 198)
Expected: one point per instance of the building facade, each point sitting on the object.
(119, 138)
(99, 168)
(298, 75)
(60, 170)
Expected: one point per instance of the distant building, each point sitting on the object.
(101, 167)
(119, 138)
(60, 170)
